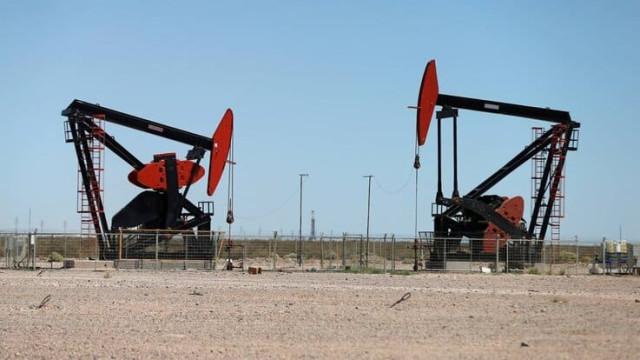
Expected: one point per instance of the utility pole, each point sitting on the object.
(366, 261)
(300, 224)
(313, 225)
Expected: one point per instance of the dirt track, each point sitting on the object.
(194, 314)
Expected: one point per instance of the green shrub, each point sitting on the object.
(568, 256)
(56, 257)
(402, 272)
(586, 259)
(533, 271)
(363, 270)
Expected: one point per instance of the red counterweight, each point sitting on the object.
(153, 174)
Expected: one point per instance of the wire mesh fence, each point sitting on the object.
(211, 250)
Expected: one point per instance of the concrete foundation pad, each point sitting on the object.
(89, 264)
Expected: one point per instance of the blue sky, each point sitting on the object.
(321, 87)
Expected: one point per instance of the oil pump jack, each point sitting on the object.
(161, 205)
(492, 220)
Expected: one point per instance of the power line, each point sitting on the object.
(393, 192)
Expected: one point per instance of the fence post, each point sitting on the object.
(577, 254)
(384, 253)
(186, 248)
(360, 250)
(604, 256)
(344, 251)
(244, 255)
(393, 252)
(157, 244)
(372, 251)
(213, 254)
(35, 240)
(14, 251)
(321, 252)
(497, 252)
(506, 259)
(444, 262)
(119, 243)
(331, 253)
(96, 255)
(275, 254)
(530, 244)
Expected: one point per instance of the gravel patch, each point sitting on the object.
(293, 315)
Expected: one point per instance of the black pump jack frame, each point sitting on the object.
(563, 129)
(82, 129)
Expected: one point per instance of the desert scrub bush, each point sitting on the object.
(370, 270)
(568, 256)
(56, 257)
(586, 259)
(533, 271)
(402, 272)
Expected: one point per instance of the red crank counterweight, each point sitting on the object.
(153, 174)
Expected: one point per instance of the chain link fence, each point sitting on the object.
(159, 250)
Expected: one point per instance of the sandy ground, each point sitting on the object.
(281, 315)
